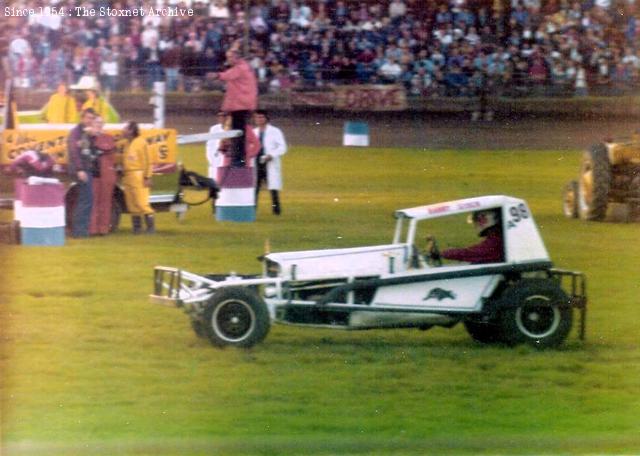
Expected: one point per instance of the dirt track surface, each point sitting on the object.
(434, 132)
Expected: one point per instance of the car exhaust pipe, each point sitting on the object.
(373, 320)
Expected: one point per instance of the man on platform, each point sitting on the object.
(240, 99)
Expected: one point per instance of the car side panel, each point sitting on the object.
(457, 294)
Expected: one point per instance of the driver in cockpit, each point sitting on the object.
(489, 250)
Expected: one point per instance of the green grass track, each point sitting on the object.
(89, 366)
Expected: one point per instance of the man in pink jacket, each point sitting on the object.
(240, 98)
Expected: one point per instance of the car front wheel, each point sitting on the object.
(236, 317)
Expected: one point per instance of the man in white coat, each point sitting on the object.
(268, 163)
(214, 156)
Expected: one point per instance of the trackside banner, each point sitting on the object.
(355, 98)
(53, 141)
(370, 98)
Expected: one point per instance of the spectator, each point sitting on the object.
(581, 89)
(390, 71)
(218, 9)
(558, 78)
(61, 107)
(32, 163)
(171, 59)
(456, 81)
(104, 179)
(54, 69)
(190, 64)
(19, 45)
(137, 172)
(109, 73)
(213, 153)
(81, 165)
(397, 10)
(268, 167)
(24, 68)
(131, 58)
(94, 100)
(283, 32)
(300, 15)
(150, 59)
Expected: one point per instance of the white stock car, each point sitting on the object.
(520, 300)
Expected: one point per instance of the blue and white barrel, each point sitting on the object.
(41, 213)
(356, 134)
(236, 200)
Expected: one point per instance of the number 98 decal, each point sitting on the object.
(517, 214)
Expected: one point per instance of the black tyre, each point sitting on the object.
(536, 312)
(236, 317)
(594, 183)
(570, 199)
(485, 333)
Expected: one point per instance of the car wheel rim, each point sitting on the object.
(233, 320)
(537, 318)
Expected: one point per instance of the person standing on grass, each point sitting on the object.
(81, 168)
(104, 180)
(240, 99)
(214, 156)
(269, 167)
(137, 170)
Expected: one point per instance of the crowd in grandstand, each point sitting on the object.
(433, 48)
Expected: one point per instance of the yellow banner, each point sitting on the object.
(52, 141)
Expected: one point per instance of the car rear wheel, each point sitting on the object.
(536, 312)
(236, 317)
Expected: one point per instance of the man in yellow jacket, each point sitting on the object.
(90, 86)
(137, 170)
(61, 107)
(101, 106)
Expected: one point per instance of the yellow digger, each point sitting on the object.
(609, 176)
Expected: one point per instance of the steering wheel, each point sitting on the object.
(432, 253)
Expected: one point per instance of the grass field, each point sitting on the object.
(90, 367)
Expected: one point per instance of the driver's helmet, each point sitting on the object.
(483, 220)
